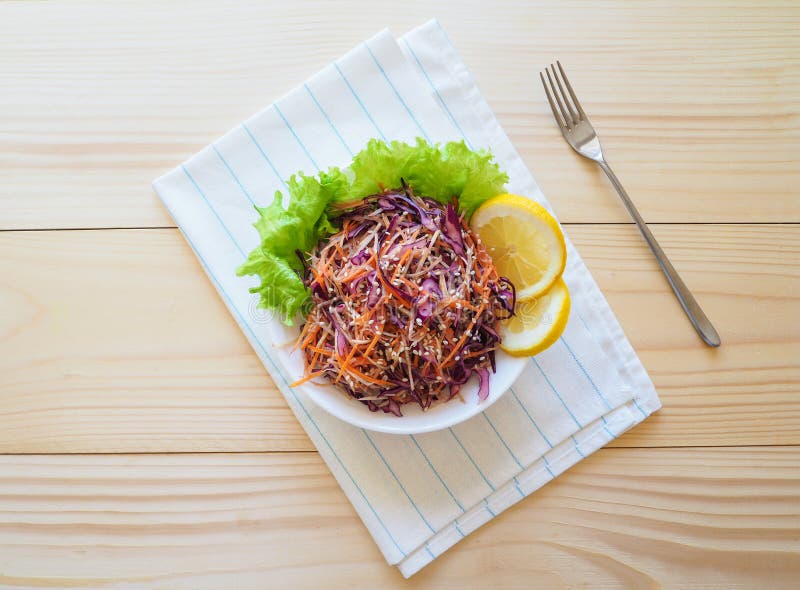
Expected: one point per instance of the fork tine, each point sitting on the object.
(557, 117)
(571, 92)
(567, 118)
(572, 112)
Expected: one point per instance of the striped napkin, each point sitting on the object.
(417, 495)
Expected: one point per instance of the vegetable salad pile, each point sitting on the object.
(314, 203)
(405, 299)
(399, 299)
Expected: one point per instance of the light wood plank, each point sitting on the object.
(697, 103)
(623, 518)
(115, 341)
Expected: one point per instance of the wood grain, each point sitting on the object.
(633, 518)
(115, 341)
(698, 104)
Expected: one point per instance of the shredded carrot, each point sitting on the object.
(367, 377)
(406, 255)
(307, 378)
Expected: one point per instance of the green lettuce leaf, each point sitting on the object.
(281, 288)
(440, 172)
(301, 225)
(284, 232)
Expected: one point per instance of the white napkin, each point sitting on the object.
(417, 495)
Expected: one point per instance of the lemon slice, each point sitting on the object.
(537, 322)
(524, 240)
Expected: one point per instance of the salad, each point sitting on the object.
(399, 300)
(405, 302)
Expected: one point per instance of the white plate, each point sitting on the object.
(413, 421)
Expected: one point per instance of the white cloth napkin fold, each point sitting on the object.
(417, 495)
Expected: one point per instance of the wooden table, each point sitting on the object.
(142, 442)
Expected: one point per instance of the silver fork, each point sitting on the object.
(581, 136)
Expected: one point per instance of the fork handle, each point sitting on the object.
(699, 319)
